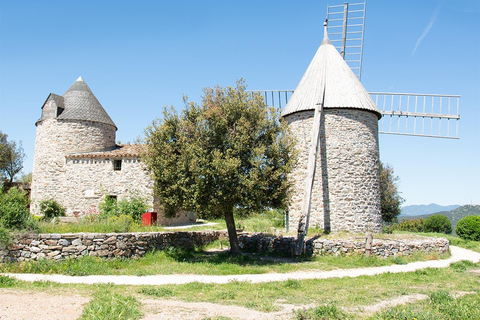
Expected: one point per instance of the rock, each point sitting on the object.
(35, 249)
(63, 242)
(111, 240)
(77, 242)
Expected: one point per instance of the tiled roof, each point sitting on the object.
(342, 87)
(120, 151)
(81, 104)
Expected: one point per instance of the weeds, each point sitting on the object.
(111, 306)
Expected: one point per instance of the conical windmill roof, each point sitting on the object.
(81, 104)
(342, 87)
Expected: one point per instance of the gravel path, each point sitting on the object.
(457, 255)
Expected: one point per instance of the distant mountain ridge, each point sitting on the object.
(422, 209)
(454, 215)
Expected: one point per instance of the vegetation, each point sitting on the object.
(11, 159)
(230, 153)
(50, 208)
(178, 261)
(437, 223)
(330, 312)
(454, 215)
(469, 228)
(14, 213)
(133, 207)
(390, 196)
(350, 296)
(111, 306)
(440, 305)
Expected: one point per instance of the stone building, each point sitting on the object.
(346, 186)
(77, 162)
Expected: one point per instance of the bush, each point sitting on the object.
(121, 223)
(133, 207)
(14, 213)
(414, 225)
(437, 223)
(108, 208)
(50, 208)
(468, 228)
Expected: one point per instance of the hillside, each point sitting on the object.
(454, 215)
(423, 209)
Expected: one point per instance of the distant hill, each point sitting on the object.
(415, 210)
(453, 215)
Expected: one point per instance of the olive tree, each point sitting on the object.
(390, 196)
(11, 159)
(230, 152)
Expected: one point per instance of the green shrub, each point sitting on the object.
(413, 225)
(437, 223)
(108, 208)
(121, 223)
(50, 208)
(5, 236)
(134, 207)
(14, 212)
(468, 228)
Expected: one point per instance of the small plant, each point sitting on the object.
(437, 223)
(6, 282)
(121, 223)
(321, 313)
(111, 306)
(50, 208)
(468, 228)
(14, 212)
(133, 207)
(157, 291)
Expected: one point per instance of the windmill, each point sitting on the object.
(328, 92)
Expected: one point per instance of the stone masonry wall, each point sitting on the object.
(54, 139)
(346, 194)
(73, 245)
(89, 180)
(262, 243)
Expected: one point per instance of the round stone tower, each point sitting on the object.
(72, 123)
(346, 185)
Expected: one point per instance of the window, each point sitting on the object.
(112, 197)
(117, 165)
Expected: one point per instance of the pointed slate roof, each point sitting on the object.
(81, 104)
(342, 87)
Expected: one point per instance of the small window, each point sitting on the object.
(112, 197)
(117, 165)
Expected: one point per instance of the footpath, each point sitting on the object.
(457, 254)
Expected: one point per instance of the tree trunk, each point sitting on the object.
(232, 232)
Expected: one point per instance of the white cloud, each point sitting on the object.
(427, 29)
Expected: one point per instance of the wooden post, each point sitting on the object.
(368, 244)
(311, 166)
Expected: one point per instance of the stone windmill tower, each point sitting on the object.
(74, 122)
(336, 182)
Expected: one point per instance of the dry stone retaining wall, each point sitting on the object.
(380, 247)
(73, 245)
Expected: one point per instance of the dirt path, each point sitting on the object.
(457, 255)
(23, 305)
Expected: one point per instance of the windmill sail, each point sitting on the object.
(410, 114)
(346, 27)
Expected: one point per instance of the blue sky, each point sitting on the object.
(138, 56)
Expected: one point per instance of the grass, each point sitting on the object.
(441, 305)
(348, 295)
(344, 293)
(111, 306)
(178, 261)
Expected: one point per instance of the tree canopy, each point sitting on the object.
(390, 196)
(231, 152)
(11, 159)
